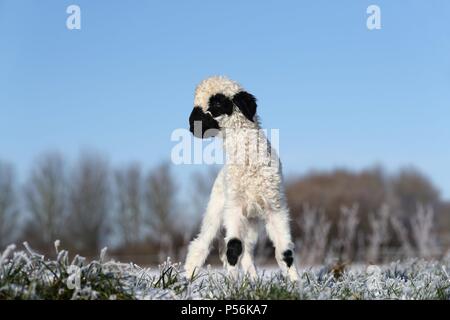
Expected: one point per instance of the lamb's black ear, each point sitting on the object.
(246, 102)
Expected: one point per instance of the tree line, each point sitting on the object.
(139, 215)
(90, 204)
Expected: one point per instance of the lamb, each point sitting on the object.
(249, 187)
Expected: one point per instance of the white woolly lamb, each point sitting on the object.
(248, 188)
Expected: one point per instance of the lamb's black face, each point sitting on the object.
(203, 125)
(206, 124)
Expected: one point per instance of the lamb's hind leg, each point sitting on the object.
(198, 249)
(277, 226)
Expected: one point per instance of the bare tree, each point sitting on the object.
(315, 228)
(401, 232)
(129, 196)
(89, 202)
(45, 198)
(8, 205)
(379, 235)
(347, 226)
(160, 199)
(423, 234)
(411, 188)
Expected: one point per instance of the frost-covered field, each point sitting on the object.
(28, 275)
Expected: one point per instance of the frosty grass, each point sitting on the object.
(25, 274)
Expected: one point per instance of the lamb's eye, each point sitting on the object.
(219, 105)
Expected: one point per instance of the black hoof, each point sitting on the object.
(234, 250)
(288, 258)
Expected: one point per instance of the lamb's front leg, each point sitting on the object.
(233, 222)
(199, 248)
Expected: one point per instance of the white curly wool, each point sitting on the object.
(213, 85)
(248, 189)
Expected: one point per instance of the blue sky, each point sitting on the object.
(340, 94)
